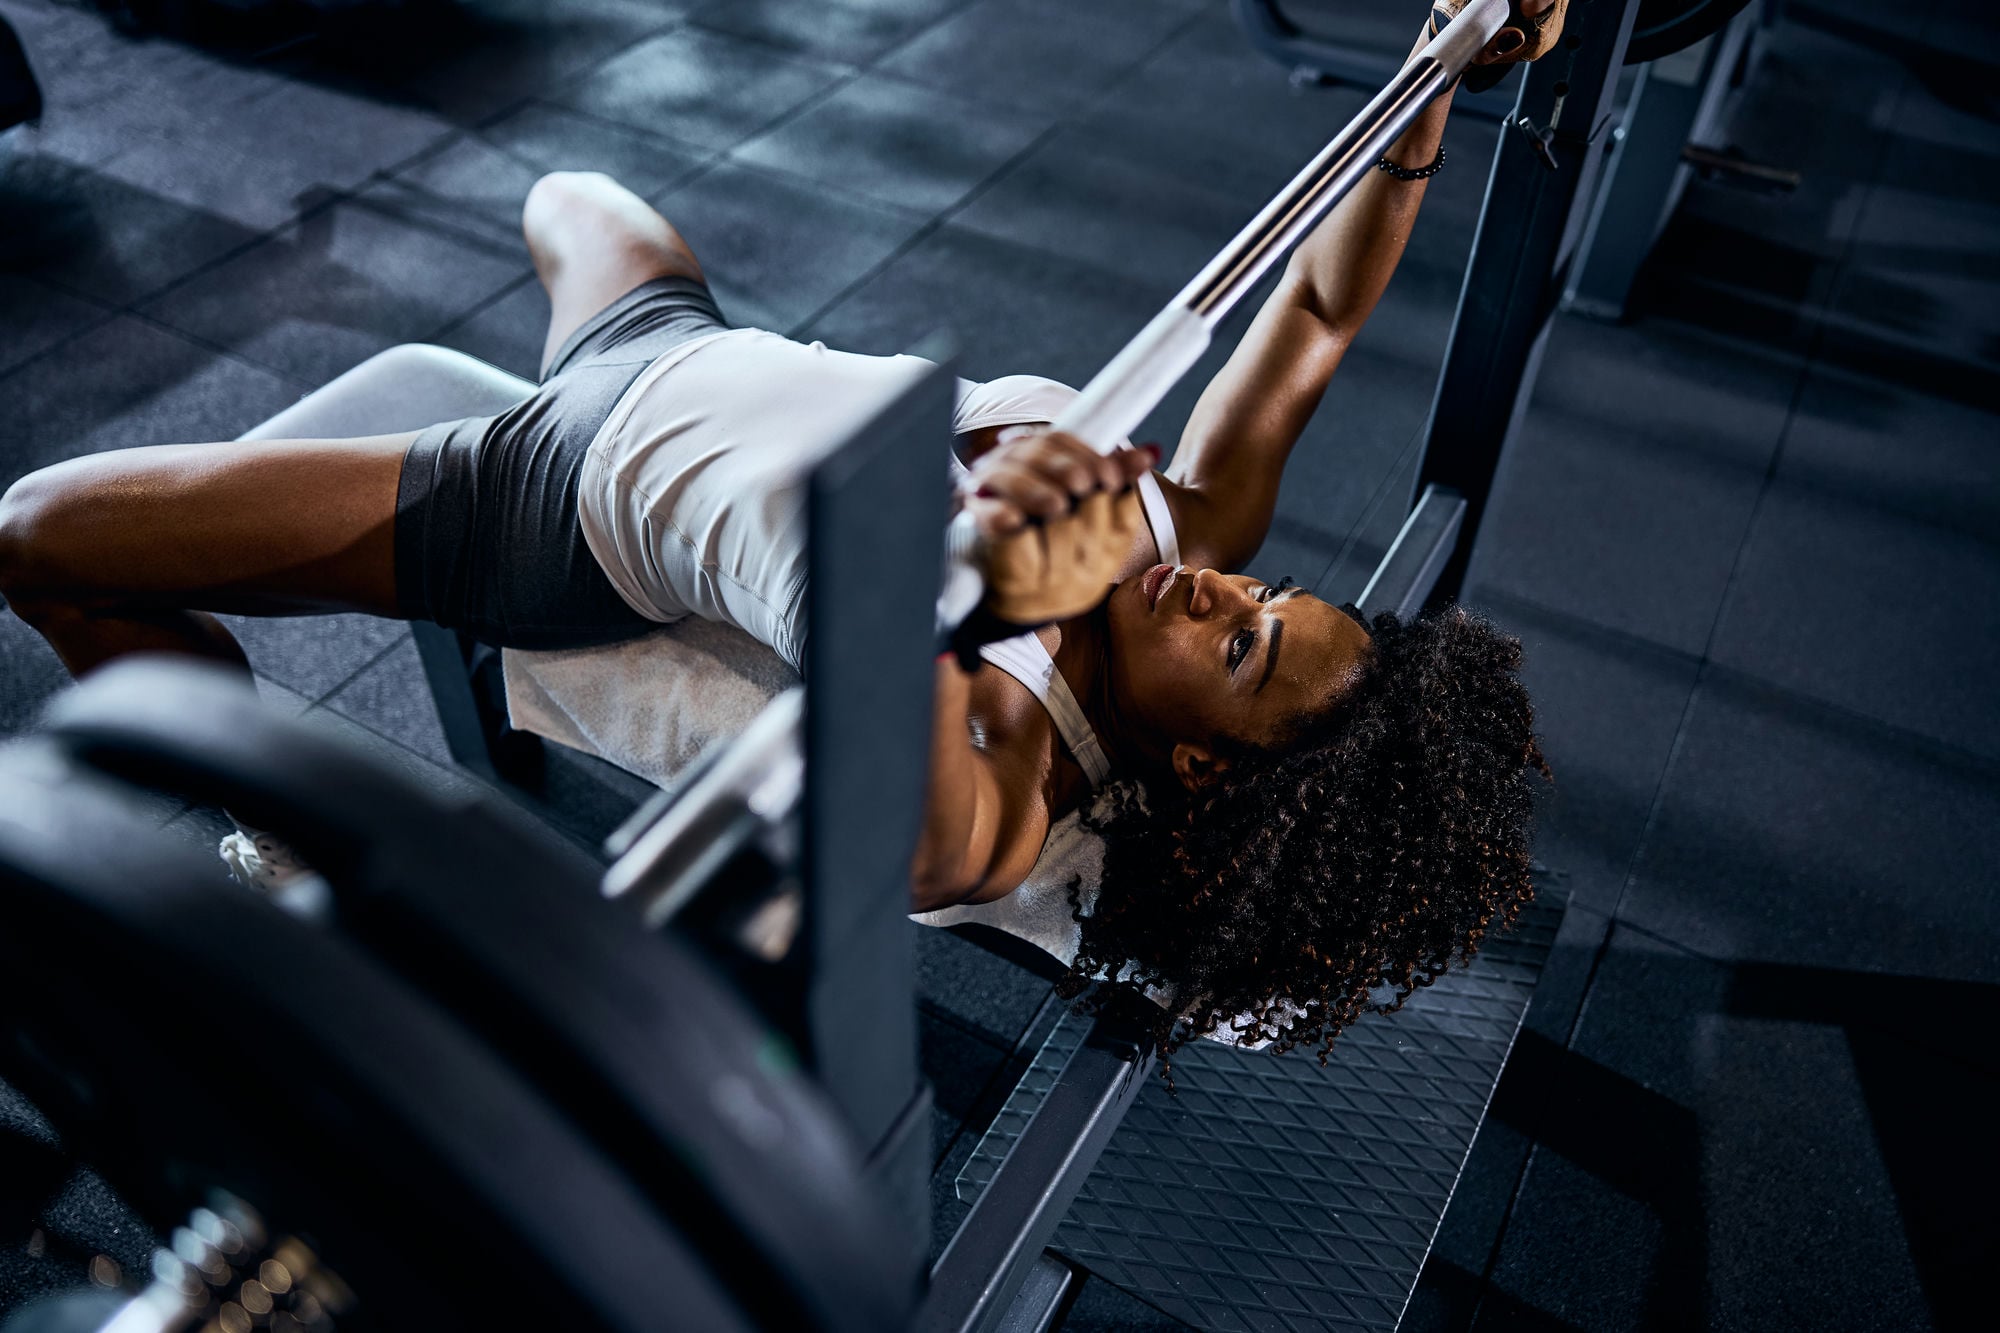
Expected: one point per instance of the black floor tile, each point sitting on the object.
(313, 654)
(1248, 115)
(1103, 1308)
(700, 87)
(1633, 479)
(104, 89)
(896, 142)
(856, 31)
(1096, 206)
(128, 382)
(1012, 310)
(30, 674)
(1033, 54)
(775, 248)
(1862, 440)
(37, 316)
(258, 148)
(1607, 710)
(344, 283)
(1922, 270)
(392, 697)
(482, 179)
(466, 63)
(1775, 1154)
(1792, 833)
(977, 990)
(1890, 617)
(551, 138)
(508, 332)
(85, 231)
(1452, 1285)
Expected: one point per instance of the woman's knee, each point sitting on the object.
(585, 219)
(32, 514)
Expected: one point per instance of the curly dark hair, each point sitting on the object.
(1379, 841)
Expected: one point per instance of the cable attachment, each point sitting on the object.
(1539, 138)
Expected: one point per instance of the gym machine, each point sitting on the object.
(474, 1088)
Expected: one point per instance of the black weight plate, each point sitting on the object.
(501, 922)
(184, 1034)
(1666, 26)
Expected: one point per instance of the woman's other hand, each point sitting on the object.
(1059, 520)
(1531, 29)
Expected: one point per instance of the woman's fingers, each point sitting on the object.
(1061, 567)
(1041, 478)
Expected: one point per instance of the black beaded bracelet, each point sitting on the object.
(1412, 173)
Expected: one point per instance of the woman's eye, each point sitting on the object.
(1239, 647)
(1267, 592)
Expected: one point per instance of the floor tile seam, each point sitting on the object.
(918, 33)
(459, 233)
(783, 176)
(1195, 17)
(846, 73)
(1383, 489)
(1855, 329)
(219, 350)
(1975, 765)
(576, 76)
(352, 721)
(1801, 376)
(356, 674)
(695, 152)
(333, 196)
(936, 223)
(1599, 634)
(703, 153)
(326, 202)
(973, 97)
(453, 325)
(695, 20)
(104, 316)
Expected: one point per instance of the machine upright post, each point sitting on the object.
(1537, 198)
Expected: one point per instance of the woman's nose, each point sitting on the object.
(1212, 592)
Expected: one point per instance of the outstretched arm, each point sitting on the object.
(1232, 454)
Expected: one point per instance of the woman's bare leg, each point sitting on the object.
(592, 241)
(129, 551)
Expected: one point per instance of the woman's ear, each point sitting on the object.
(1196, 766)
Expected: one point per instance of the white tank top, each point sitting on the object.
(690, 494)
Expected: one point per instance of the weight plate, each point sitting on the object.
(185, 1035)
(501, 923)
(1666, 26)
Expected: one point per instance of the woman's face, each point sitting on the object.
(1198, 658)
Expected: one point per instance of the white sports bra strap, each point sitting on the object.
(1024, 658)
(1160, 518)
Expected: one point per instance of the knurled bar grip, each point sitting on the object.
(1117, 398)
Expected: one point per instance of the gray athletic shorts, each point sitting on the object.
(487, 537)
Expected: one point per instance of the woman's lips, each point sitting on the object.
(1154, 584)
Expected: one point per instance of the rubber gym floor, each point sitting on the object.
(1751, 538)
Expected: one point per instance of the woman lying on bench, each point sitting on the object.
(1320, 806)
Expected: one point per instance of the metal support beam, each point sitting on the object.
(1536, 200)
(998, 1246)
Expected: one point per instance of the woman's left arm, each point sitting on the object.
(1232, 454)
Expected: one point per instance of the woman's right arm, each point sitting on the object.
(985, 815)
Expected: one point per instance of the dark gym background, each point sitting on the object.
(1752, 539)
